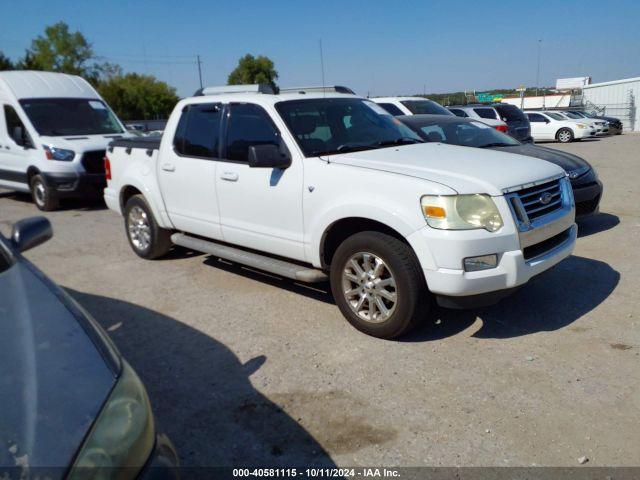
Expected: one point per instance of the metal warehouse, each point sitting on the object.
(617, 98)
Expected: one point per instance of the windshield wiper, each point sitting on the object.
(347, 147)
(399, 141)
(498, 144)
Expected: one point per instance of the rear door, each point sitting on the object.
(14, 155)
(187, 170)
(260, 208)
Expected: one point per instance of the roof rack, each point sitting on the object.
(318, 88)
(256, 88)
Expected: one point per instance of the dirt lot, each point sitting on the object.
(243, 368)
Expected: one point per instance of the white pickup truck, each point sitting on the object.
(328, 186)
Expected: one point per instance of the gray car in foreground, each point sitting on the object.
(72, 407)
(466, 132)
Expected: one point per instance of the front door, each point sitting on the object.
(187, 171)
(260, 208)
(14, 152)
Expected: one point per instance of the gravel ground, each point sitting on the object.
(247, 369)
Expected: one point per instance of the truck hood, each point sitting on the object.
(82, 143)
(464, 169)
(53, 379)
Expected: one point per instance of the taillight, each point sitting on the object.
(502, 128)
(107, 168)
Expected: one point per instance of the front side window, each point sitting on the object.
(327, 126)
(459, 112)
(249, 125)
(418, 107)
(392, 109)
(70, 116)
(198, 132)
(15, 128)
(486, 113)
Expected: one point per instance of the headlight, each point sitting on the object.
(581, 125)
(461, 212)
(122, 436)
(60, 154)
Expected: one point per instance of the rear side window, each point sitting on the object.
(536, 118)
(198, 132)
(510, 113)
(392, 109)
(458, 112)
(249, 125)
(486, 113)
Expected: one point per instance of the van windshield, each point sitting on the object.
(70, 116)
(327, 126)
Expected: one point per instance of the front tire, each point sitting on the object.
(146, 238)
(378, 284)
(565, 135)
(43, 196)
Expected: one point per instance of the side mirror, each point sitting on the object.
(268, 156)
(30, 232)
(547, 121)
(18, 136)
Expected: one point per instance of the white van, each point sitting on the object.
(54, 130)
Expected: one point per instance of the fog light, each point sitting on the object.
(483, 262)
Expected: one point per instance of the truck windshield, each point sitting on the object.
(418, 107)
(70, 116)
(468, 133)
(327, 126)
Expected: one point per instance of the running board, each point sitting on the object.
(261, 262)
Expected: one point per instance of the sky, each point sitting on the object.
(389, 47)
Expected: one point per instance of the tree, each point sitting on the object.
(60, 50)
(138, 97)
(5, 62)
(252, 70)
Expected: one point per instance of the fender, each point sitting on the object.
(151, 193)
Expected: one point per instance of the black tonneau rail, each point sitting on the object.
(148, 143)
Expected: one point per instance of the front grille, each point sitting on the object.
(93, 162)
(540, 200)
(543, 247)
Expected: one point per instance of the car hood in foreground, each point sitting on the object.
(567, 161)
(53, 379)
(464, 169)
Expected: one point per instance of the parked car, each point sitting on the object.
(492, 122)
(587, 187)
(546, 125)
(410, 106)
(614, 124)
(54, 130)
(318, 187)
(517, 123)
(600, 126)
(72, 407)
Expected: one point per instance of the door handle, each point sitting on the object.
(229, 176)
(168, 167)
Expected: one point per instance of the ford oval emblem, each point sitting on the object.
(545, 198)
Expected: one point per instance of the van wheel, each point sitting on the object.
(43, 196)
(378, 284)
(146, 238)
(564, 135)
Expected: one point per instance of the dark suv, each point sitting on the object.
(517, 122)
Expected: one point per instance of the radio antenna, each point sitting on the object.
(324, 90)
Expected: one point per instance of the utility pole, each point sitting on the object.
(199, 69)
(538, 72)
(322, 66)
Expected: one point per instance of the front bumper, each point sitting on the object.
(587, 198)
(75, 184)
(163, 462)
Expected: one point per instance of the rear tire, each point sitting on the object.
(43, 196)
(565, 135)
(378, 284)
(146, 238)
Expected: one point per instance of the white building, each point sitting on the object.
(540, 102)
(618, 98)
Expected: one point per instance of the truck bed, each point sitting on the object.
(147, 143)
